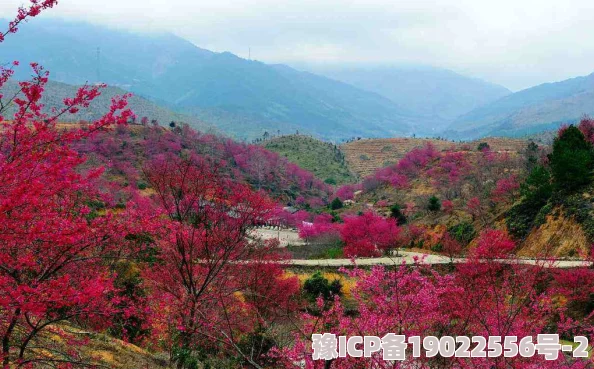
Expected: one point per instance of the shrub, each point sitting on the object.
(330, 181)
(334, 253)
(542, 215)
(521, 218)
(317, 285)
(336, 204)
(438, 247)
(434, 204)
(462, 232)
(483, 146)
(396, 213)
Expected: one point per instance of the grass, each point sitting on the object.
(323, 159)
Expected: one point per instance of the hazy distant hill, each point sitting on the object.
(240, 96)
(56, 92)
(439, 95)
(530, 111)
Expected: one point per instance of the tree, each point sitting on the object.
(434, 204)
(369, 234)
(396, 213)
(336, 204)
(463, 232)
(572, 159)
(55, 255)
(475, 208)
(537, 188)
(316, 286)
(481, 295)
(206, 253)
(448, 206)
(506, 189)
(483, 146)
(532, 156)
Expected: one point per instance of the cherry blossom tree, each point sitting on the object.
(205, 255)
(369, 234)
(56, 249)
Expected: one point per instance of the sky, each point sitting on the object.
(515, 43)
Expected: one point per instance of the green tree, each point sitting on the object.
(396, 213)
(317, 285)
(462, 232)
(536, 191)
(572, 159)
(531, 154)
(336, 204)
(537, 188)
(434, 204)
(483, 146)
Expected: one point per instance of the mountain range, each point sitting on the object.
(243, 98)
(246, 98)
(438, 95)
(529, 111)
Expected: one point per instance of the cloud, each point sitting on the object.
(517, 43)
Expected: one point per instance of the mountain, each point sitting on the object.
(242, 97)
(56, 92)
(529, 111)
(438, 95)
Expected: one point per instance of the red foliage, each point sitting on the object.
(506, 189)
(368, 235)
(125, 153)
(586, 126)
(474, 207)
(55, 249)
(450, 169)
(322, 225)
(482, 296)
(347, 192)
(417, 159)
(207, 258)
(447, 206)
(493, 244)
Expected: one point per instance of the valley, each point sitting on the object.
(165, 205)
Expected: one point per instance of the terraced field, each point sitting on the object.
(365, 156)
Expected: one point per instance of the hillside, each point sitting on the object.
(366, 156)
(529, 111)
(323, 159)
(440, 95)
(242, 97)
(56, 92)
(125, 152)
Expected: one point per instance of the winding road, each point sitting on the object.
(408, 257)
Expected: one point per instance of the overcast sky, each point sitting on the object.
(516, 43)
